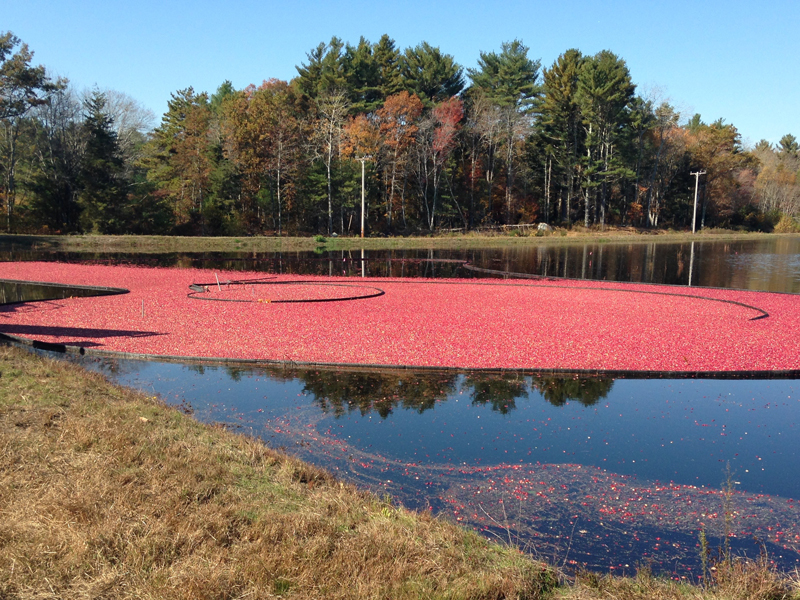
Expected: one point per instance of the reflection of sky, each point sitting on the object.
(681, 431)
(684, 431)
(469, 461)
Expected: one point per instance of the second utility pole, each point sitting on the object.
(363, 160)
(696, 180)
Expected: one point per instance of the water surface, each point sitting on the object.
(605, 473)
(769, 264)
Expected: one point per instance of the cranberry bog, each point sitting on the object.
(543, 325)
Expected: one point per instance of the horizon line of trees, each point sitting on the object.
(441, 147)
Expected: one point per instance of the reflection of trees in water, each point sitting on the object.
(497, 391)
(110, 367)
(342, 392)
(236, 373)
(586, 390)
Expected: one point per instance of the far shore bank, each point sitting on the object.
(443, 241)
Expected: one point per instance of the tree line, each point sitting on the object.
(436, 147)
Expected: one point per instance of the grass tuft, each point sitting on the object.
(733, 579)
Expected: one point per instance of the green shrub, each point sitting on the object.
(787, 224)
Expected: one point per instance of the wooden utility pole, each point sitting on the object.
(362, 160)
(696, 182)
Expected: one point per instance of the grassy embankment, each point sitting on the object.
(108, 493)
(165, 244)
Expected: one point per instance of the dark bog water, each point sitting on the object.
(609, 474)
(771, 264)
(12, 292)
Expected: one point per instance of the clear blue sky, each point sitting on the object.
(731, 59)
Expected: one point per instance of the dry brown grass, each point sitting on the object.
(105, 493)
(732, 579)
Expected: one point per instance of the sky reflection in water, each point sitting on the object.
(583, 471)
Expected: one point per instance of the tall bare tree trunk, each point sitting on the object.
(330, 188)
(509, 176)
(547, 180)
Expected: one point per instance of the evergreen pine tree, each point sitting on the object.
(387, 57)
(788, 145)
(560, 123)
(103, 191)
(508, 79)
(431, 75)
(509, 82)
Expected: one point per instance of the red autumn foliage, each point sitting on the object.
(448, 116)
